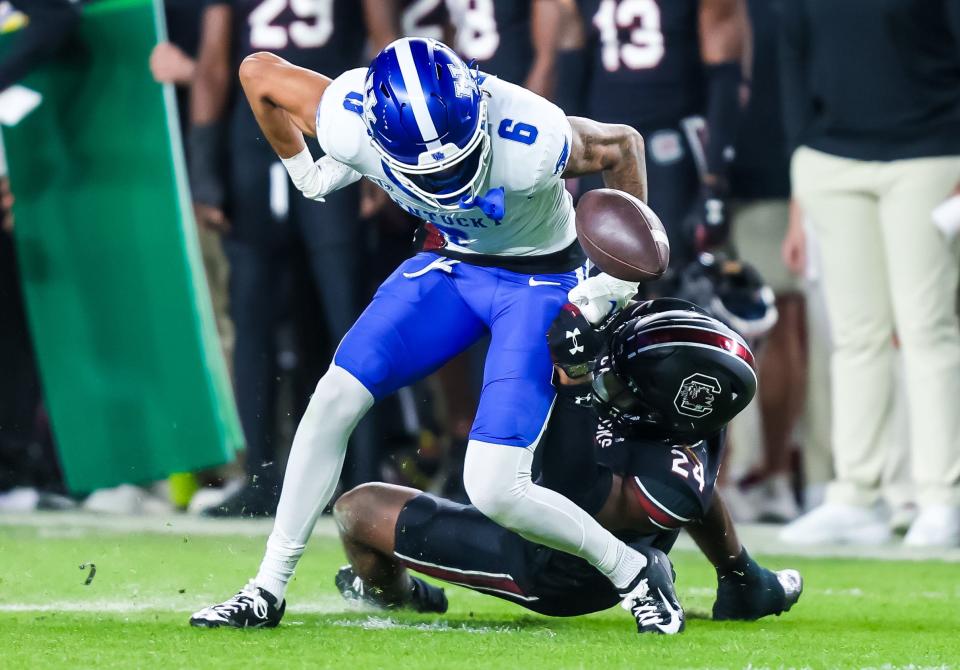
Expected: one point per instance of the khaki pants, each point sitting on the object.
(218, 279)
(887, 269)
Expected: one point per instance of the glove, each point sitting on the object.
(573, 342)
(712, 227)
(600, 295)
(316, 180)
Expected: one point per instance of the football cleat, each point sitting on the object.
(651, 598)
(252, 607)
(748, 597)
(423, 597)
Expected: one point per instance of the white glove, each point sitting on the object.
(598, 296)
(316, 180)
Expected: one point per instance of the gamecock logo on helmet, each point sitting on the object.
(696, 395)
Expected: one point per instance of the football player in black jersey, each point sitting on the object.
(644, 468)
(266, 216)
(672, 70)
(515, 40)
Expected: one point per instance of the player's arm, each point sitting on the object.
(383, 22)
(284, 99)
(209, 93)
(546, 22)
(613, 149)
(724, 36)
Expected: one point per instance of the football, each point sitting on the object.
(622, 235)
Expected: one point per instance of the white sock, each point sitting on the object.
(313, 469)
(497, 479)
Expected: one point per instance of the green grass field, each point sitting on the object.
(854, 614)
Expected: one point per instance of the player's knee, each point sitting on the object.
(352, 509)
(339, 399)
(496, 491)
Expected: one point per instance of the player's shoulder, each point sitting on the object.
(531, 136)
(340, 128)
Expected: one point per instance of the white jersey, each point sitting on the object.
(530, 144)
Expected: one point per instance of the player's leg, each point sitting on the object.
(836, 194)
(332, 234)
(514, 407)
(253, 248)
(367, 520)
(923, 269)
(416, 321)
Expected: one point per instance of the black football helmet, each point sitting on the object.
(674, 373)
(732, 291)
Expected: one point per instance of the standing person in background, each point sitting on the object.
(872, 100)
(760, 193)
(515, 40)
(654, 64)
(266, 218)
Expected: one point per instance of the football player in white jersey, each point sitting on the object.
(482, 162)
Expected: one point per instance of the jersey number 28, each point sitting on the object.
(311, 29)
(645, 47)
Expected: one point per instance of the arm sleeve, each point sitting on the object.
(723, 113)
(793, 71)
(50, 25)
(340, 129)
(569, 464)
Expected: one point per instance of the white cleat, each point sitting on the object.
(935, 526)
(834, 523)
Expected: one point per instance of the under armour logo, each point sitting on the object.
(463, 84)
(577, 348)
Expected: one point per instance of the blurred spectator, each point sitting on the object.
(515, 40)
(268, 217)
(672, 70)
(27, 457)
(872, 100)
(760, 192)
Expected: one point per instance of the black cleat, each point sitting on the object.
(651, 598)
(423, 597)
(252, 607)
(743, 596)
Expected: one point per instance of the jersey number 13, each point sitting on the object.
(644, 49)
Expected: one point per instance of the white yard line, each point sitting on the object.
(184, 604)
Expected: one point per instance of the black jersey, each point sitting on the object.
(645, 67)
(424, 18)
(495, 33)
(326, 36)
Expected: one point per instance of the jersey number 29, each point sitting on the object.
(645, 47)
(311, 29)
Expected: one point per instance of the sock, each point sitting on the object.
(740, 569)
(313, 469)
(621, 564)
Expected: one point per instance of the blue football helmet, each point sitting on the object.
(427, 119)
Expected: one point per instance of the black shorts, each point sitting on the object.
(458, 544)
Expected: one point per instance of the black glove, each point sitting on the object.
(573, 342)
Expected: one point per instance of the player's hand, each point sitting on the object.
(170, 65)
(6, 205)
(211, 217)
(600, 295)
(573, 343)
(794, 248)
(372, 199)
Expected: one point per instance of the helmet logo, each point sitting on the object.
(696, 395)
(369, 102)
(576, 347)
(463, 84)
